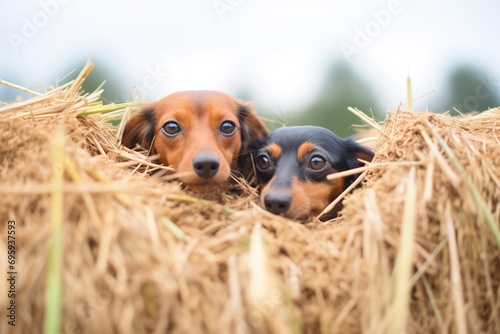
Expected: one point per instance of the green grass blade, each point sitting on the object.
(53, 297)
(102, 109)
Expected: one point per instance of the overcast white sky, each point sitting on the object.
(278, 51)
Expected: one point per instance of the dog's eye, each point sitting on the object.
(263, 162)
(317, 162)
(171, 128)
(227, 128)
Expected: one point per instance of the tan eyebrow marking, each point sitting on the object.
(274, 150)
(305, 148)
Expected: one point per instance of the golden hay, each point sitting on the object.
(415, 250)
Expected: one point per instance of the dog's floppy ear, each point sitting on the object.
(252, 129)
(361, 153)
(357, 151)
(251, 126)
(140, 129)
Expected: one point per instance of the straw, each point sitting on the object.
(137, 252)
(404, 259)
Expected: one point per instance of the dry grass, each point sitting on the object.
(416, 250)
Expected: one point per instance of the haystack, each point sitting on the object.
(108, 242)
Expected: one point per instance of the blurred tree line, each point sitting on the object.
(342, 88)
(468, 88)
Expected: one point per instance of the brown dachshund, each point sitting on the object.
(292, 164)
(203, 135)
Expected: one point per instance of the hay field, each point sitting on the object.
(107, 242)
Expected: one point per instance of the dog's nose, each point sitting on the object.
(206, 166)
(277, 203)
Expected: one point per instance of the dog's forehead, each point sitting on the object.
(188, 106)
(294, 137)
(208, 100)
(299, 141)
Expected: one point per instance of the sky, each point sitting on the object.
(277, 52)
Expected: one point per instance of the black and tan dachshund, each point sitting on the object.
(292, 164)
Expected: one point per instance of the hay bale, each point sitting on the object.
(455, 281)
(414, 251)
